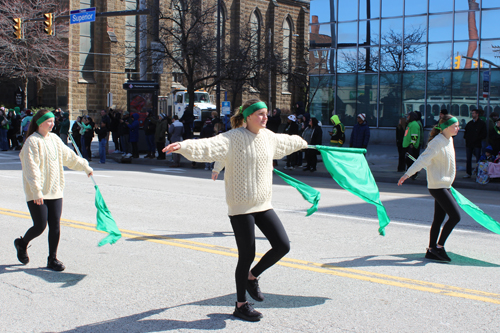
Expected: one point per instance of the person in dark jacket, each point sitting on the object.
(64, 129)
(75, 133)
(274, 120)
(188, 120)
(400, 134)
(124, 132)
(316, 139)
(114, 126)
(292, 128)
(149, 131)
(475, 132)
(160, 131)
(208, 131)
(102, 135)
(495, 138)
(360, 135)
(134, 135)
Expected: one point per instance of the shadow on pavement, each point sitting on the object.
(137, 323)
(215, 321)
(408, 259)
(67, 279)
(272, 301)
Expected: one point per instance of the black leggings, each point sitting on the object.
(444, 204)
(49, 212)
(244, 231)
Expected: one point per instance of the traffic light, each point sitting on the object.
(458, 59)
(49, 21)
(18, 28)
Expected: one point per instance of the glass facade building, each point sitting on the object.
(386, 58)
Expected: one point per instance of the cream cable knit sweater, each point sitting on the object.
(248, 159)
(42, 159)
(439, 159)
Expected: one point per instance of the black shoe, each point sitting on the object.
(440, 253)
(54, 264)
(313, 169)
(306, 169)
(254, 290)
(22, 253)
(247, 312)
(429, 255)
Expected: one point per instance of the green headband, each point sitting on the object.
(252, 108)
(44, 117)
(447, 124)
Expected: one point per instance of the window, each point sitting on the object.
(86, 46)
(287, 54)
(130, 37)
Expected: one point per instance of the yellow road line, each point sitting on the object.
(292, 263)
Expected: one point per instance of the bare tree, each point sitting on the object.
(397, 53)
(37, 56)
(188, 41)
(241, 68)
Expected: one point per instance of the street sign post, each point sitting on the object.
(82, 15)
(226, 108)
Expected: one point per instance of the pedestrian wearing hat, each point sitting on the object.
(247, 154)
(337, 135)
(360, 135)
(439, 159)
(43, 158)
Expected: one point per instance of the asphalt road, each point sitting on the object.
(173, 269)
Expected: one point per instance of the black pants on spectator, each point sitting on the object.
(159, 148)
(444, 204)
(415, 152)
(135, 149)
(311, 159)
(47, 213)
(244, 231)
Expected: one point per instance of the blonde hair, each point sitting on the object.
(238, 119)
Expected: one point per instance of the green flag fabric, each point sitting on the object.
(105, 221)
(349, 168)
(475, 212)
(308, 193)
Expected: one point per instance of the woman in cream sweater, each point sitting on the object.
(43, 157)
(247, 153)
(439, 159)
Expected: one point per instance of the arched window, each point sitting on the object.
(287, 54)
(255, 30)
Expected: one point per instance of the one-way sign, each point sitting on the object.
(82, 15)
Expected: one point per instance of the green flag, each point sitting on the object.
(105, 221)
(348, 167)
(308, 193)
(475, 212)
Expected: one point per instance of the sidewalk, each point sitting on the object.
(382, 159)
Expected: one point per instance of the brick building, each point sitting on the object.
(102, 54)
